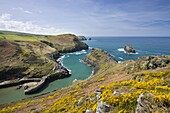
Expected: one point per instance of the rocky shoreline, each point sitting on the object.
(60, 73)
(34, 59)
(94, 56)
(112, 86)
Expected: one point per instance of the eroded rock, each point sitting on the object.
(102, 107)
(89, 111)
(129, 49)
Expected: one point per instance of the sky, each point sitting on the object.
(87, 17)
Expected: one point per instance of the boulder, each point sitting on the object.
(129, 49)
(116, 93)
(152, 62)
(89, 111)
(146, 104)
(102, 107)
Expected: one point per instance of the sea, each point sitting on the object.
(144, 46)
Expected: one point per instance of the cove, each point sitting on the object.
(79, 71)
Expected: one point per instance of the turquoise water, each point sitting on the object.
(144, 46)
(80, 71)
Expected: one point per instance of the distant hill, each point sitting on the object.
(127, 87)
(30, 55)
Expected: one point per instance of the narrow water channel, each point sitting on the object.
(78, 69)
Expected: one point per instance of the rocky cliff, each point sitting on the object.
(82, 38)
(99, 60)
(28, 55)
(111, 89)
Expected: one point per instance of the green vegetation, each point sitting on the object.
(100, 60)
(120, 85)
(31, 54)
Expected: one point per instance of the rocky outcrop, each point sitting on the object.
(97, 59)
(89, 111)
(35, 56)
(48, 43)
(129, 49)
(82, 38)
(67, 43)
(152, 62)
(146, 104)
(141, 105)
(102, 107)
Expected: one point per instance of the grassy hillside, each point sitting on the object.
(114, 88)
(29, 55)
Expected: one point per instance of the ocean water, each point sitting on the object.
(79, 71)
(144, 46)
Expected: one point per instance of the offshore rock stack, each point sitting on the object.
(129, 49)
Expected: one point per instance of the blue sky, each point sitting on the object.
(87, 17)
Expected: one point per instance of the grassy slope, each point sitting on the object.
(29, 55)
(113, 77)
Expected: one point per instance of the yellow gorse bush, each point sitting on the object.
(129, 91)
(148, 84)
(162, 88)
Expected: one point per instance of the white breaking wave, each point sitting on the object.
(61, 61)
(69, 70)
(112, 55)
(119, 61)
(122, 49)
(61, 58)
(121, 58)
(80, 61)
(75, 80)
(79, 52)
(90, 48)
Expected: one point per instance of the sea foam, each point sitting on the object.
(90, 48)
(122, 50)
(79, 52)
(61, 58)
(61, 61)
(120, 58)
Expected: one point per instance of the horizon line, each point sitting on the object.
(83, 35)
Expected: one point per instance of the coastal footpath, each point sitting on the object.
(31, 57)
(130, 86)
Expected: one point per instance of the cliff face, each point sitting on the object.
(99, 60)
(67, 43)
(111, 89)
(28, 55)
(82, 38)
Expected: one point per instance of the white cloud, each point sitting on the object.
(7, 23)
(5, 17)
(23, 10)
